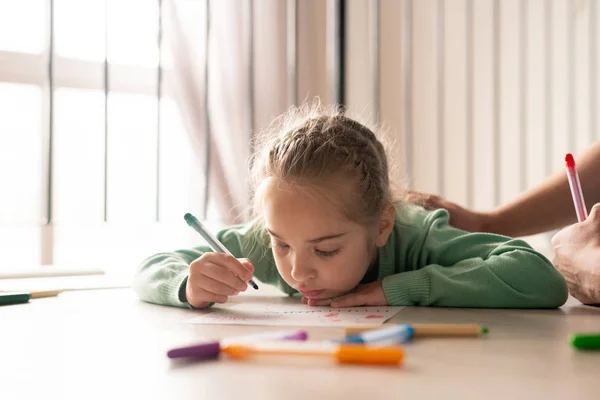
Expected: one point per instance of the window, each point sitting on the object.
(123, 172)
(22, 26)
(20, 173)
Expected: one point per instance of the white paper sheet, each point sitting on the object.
(295, 315)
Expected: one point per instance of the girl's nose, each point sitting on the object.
(301, 270)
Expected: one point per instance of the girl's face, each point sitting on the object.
(317, 250)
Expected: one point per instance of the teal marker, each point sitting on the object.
(14, 298)
(585, 341)
(212, 241)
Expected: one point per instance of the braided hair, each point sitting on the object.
(315, 148)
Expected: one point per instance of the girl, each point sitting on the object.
(329, 228)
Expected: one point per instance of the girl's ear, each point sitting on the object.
(386, 225)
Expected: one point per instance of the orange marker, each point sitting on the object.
(344, 354)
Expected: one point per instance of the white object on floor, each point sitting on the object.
(295, 315)
(46, 271)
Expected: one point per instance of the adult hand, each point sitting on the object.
(461, 218)
(577, 257)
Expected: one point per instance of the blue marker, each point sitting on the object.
(386, 336)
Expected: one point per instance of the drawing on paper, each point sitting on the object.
(295, 315)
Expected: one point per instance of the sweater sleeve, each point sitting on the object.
(162, 278)
(454, 268)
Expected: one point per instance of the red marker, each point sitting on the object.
(575, 186)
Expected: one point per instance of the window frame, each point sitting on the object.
(51, 71)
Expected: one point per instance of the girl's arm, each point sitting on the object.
(162, 278)
(454, 268)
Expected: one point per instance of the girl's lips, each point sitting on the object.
(311, 293)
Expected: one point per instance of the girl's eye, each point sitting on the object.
(280, 245)
(331, 253)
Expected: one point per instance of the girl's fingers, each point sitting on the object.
(246, 263)
(318, 302)
(199, 297)
(224, 276)
(230, 263)
(238, 268)
(350, 300)
(217, 287)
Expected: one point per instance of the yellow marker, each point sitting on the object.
(45, 293)
(38, 294)
(344, 354)
(430, 330)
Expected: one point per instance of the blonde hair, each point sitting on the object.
(313, 146)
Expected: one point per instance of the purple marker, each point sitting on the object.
(210, 350)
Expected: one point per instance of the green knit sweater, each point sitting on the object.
(425, 262)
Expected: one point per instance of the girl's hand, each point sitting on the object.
(370, 294)
(215, 276)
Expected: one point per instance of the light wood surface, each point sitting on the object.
(107, 344)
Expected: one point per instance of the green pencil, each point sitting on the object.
(14, 298)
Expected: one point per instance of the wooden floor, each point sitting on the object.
(103, 344)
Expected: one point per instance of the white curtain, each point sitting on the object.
(229, 107)
(234, 66)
